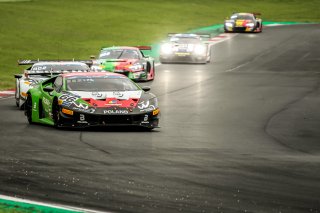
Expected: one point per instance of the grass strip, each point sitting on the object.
(66, 29)
(8, 206)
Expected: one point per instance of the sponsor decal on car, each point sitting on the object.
(116, 111)
(46, 101)
(145, 119)
(80, 106)
(97, 94)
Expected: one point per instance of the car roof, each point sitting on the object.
(120, 47)
(93, 74)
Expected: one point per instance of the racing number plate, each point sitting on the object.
(182, 54)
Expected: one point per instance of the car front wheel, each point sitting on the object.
(28, 108)
(56, 114)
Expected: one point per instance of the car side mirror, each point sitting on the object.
(48, 89)
(18, 76)
(146, 88)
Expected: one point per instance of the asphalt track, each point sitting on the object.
(241, 134)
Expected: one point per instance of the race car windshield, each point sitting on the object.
(58, 67)
(119, 54)
(100, 84)
(244, 17)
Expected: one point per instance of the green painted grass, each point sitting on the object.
(66, 29)
(7, 206)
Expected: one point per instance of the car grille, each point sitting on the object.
(115, 119)
(240, 28)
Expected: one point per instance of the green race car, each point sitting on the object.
(129, 61)
(91, 99)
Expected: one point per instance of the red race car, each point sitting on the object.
(129, 61)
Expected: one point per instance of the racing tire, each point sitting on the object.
(208, 58)
(28, 108)
(16, 94)
(154, 72)
(259, 28)
(17, 102)
(56, 114)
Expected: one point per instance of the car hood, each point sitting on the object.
(109, 99)
(242, 22)
(117, 64)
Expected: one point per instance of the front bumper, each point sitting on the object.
(178, 57)
(81, 120)
(240, 29)
(138, 75)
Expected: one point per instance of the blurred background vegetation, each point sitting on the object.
(66, 29)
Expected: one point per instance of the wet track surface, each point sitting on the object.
(241, 134)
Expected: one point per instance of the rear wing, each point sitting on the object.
(202, 35)
(144, 47)
(253, 13)
(31, 62)
(256, 14)
(53, 72)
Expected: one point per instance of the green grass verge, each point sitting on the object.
(66, 29)
(7, 206)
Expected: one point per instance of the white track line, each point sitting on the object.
(63, 207)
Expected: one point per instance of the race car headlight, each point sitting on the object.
(229, 24)
(199, 49)
(250, 24)
(136, 67)
(27, 82)
(67, 111)
(148, 105)
(166, 48)
(190, 47)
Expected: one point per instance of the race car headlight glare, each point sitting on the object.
(200, 49)
(250, 24)
(136, 67)
(228, 24)
(166, 48)
(67, 111)
(155, 112)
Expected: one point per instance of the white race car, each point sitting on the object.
(185, 48)
(42, 70)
